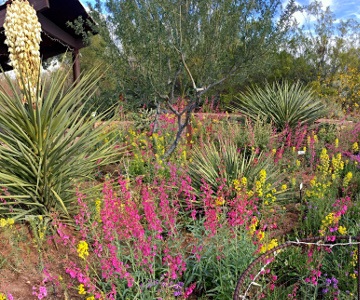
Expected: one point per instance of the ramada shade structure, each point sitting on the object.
(57, 36)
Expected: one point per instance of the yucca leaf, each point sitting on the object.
(283, 104)
(46, 149)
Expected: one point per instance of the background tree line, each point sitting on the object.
(155, 51)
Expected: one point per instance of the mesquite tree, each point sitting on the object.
(165, 49)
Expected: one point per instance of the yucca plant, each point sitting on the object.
(46, 143)
(45, 149)
(283, 104)
(223, 160)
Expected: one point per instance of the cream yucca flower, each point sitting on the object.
(23, 36)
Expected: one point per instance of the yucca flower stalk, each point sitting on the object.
(23, 36)
(49, 145)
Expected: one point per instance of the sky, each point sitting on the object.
(344, 9)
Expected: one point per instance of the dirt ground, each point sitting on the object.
(23, 265)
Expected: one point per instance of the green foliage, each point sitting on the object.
(108, 92)
(167, 47)
(214, 162)
(45, 149)
(223, 258)
(282, 104)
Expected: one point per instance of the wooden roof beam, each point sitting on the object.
(54, 31)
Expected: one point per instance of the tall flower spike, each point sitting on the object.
(23, 36)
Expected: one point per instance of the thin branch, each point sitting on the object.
(188, 71)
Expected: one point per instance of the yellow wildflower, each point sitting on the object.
(98, 210)
(324, 162)
(2, 296)
(81, 290)
(244, 181)
(3, 222)
(272, 244)
(336, 143)
(183, 155)
(293, 181)
(83, 249)
(253, 225)
(283, 187)
(219, 201)
(250, 194)
(342, 230)
(258, 188)
(262, 176)
(355, 147)
(261, 235)
(354, 258)
(347, 179)
(236, 184)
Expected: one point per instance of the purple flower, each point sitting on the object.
(335, 281)
(328, 281)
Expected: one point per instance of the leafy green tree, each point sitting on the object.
(108, 90)
(168, 49)
(326, 43)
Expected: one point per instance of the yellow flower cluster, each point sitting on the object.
(6, 222)
(270, 194)
(317, 188)
(219, 201)
(81, 290)
(83, 249)
(2, 296)
(347, 179)
(159, 147)
(42, 231)
(259, 184)
(342, 230)
(23, 36)
(337, 165)
(266, 247)
(240, 184)
(324, 164)
(98, 210)
(354, 261)
(330, 219)
(355, 148)
(314, 137)
(253, 225)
